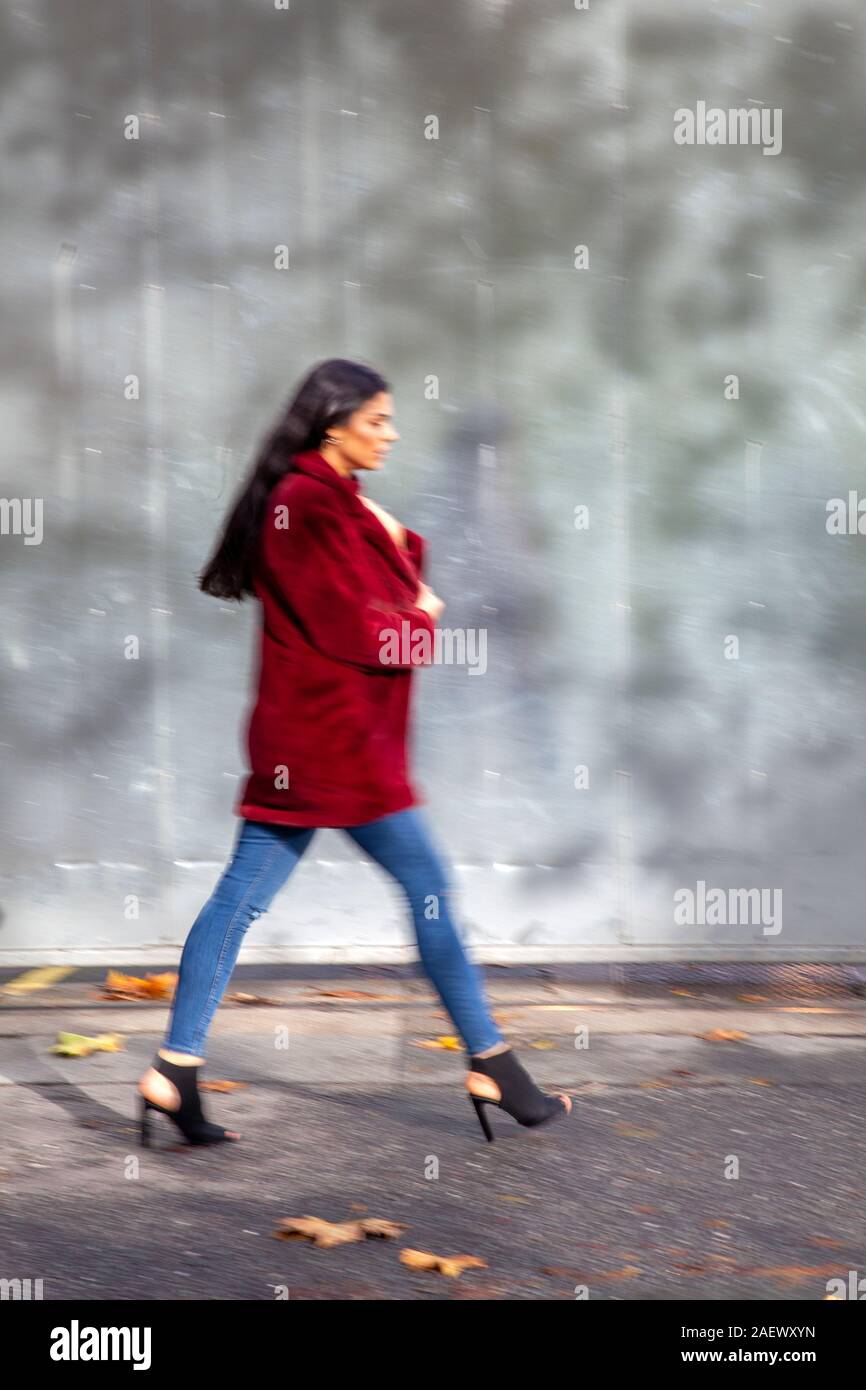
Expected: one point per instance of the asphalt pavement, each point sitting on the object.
(715, 1149)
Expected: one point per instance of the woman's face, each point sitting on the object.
(367, 436)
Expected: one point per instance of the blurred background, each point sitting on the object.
(621, 456)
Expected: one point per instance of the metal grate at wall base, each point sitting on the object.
(771, 981)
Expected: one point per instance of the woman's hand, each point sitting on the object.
(429, 602)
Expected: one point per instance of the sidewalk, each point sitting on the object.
(628, 1196)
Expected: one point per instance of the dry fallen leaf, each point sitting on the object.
(377, 1228)
(120, 986)
(356, 994)
(450, 1265)
(41, 978)
(326, 1234)
(753, 998)
(251, 999)
(635, 1131)
(449, 1044)
(689, 992)
(802, 1009)
(759, 1081)
(722, 1035)
(542, 1043)
(791, 1274)
(78, 1045)
(222, 1086)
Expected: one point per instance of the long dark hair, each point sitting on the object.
(331, 392)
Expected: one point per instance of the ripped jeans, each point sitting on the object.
(264, 857)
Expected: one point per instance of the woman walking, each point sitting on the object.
(346, 617)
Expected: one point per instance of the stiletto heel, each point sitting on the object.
(145, 1123)
(188, 1117)
(501, 1080)
(479, 1111)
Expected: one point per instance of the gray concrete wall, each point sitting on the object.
(698, 648)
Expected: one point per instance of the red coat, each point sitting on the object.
(330, 716)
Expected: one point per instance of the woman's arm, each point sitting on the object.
(416, 548)
(313, 563)
(410, 542)
(391, 524)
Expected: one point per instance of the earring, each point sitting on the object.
(329, 439)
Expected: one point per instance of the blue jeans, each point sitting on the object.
(263, 859)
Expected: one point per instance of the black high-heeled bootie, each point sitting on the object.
(189, 1117)
(501, 1080)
